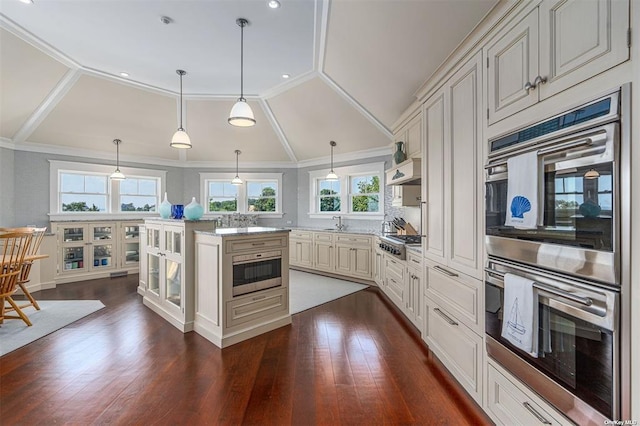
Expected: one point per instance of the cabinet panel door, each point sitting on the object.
(414, 136)
(579, 39)
(463, 209)
(435, 175)
(513, 61)
(362, 262)
(305, 257)
(324, 256)
(344, 259)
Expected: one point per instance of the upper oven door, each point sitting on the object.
(577, 200)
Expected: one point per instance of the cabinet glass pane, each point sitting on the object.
(131, 232)
(102, 256)
(102, 233)
(168, 243)
(153, 266)
(73, 234)
(177, 243)
(73, 258)
(173, 289)
(132, 252)
(153, 238)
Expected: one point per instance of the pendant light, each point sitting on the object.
(180, 138)
(592, 174)
(236, 180)
(332, 175)
(241, 114)
(117, 174)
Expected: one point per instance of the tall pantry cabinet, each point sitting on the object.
(452, 188)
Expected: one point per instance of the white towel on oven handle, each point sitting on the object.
(520, 315)
(522, 191)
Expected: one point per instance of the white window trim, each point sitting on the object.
(112, 190)
(344, 173)
(242, 192)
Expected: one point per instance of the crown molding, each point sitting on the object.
(350, 156)
(278, 130)
(283, 87)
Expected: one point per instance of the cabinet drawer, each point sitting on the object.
(301, 235)
(256, 306)
(459, 295)
(509, 404)
(456, 346)
(414, 259)
(251, 244)
(323, 236)
(394, 268)
(354, 239)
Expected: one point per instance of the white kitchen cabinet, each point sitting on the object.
(394, 277)
(169, 274)
(405, 195)
(301, 248)
(378, 267)
(142, 265)
(411, 135)
(453, 174)
(456, 346)
(414, 293)
(551, 47)
(353, 255)
(324, 255)
(509, 402)
(129, 245)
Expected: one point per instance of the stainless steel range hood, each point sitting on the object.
(406, 173)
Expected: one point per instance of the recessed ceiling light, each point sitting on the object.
(124, 74)
(274, 4)
(27, 1)
(286, 76)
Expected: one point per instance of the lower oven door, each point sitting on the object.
(255, 275)
(577, 365)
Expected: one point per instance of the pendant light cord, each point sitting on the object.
(242, 24)
(181, 128)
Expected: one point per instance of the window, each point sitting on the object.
(223, 197)
(357, 193)
(260, 193)
(138, 195)
(86, 192)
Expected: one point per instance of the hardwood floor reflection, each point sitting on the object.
(350, 361)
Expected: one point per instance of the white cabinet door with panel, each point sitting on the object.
(301, 248)
(552, 47)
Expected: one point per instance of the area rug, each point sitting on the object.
(310, 290)
(52, 316)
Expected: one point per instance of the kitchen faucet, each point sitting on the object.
(339, 225)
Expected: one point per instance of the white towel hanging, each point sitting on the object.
(522, 191)
(520, 315)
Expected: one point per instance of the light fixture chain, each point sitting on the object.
(181, 100)
(242, 24)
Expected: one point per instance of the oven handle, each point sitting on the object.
(254, 260)
(557, 148)
(587, 301)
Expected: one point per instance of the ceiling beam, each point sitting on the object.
(276, 128)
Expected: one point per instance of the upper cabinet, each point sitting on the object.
(453, 187)
(554, 46)
(411, 135)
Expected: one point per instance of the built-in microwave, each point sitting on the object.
(256, 271)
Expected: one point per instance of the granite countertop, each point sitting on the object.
(414, 248)
(344, 231)
(253, 230)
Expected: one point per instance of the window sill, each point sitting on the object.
(354, 216)
(258, 214)
(69, 217)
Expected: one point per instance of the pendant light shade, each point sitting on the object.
(592, 174)
(180, 138)
(236, 180)
(117, 174)
(332, 175)
(241, 114)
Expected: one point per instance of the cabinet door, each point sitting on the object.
(361, 266)
(394, 280)
(324, 256)
(512, 62)
(414, 136)
(73, 243)
(294, 252)
(435, 174)
(579, 39)
(344, 259)
(409, 296)
(464, 194)
(377, 268)
(103, 239)
(173, 291)
(152, 254)
(130, 245)
(305, 253)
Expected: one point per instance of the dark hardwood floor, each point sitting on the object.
(351, 361)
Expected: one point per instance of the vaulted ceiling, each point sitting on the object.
(354, 67)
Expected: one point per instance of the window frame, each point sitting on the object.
(344, 175)
(243, 199)
(56, 168)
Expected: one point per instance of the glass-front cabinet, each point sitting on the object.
(130, 242)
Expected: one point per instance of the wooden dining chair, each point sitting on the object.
(30, 257)
(13, 249)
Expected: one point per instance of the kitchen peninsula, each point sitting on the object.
(241, 283)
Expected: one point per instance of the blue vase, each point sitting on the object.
(193, 210)
(165, 208)
(177, 211)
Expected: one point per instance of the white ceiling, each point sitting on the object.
(354, 66)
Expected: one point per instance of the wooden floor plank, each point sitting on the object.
(350, 361)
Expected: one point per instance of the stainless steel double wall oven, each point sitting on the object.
(576, 256)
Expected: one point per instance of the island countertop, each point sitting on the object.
(252, 230)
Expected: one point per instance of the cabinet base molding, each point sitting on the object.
(184, 327)
(90, 276)
(239, 335)
(332, 275)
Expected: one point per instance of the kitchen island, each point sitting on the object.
(241, 283)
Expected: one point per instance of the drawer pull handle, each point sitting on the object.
(445, 316)
(535, 413)
(441, 269)
(259, 297)
(257, 244)
(414, 261)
